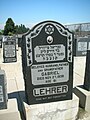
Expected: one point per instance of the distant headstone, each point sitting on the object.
(15, 38)
(47, 60)
(9, 51)
(19, 40)
(82, 45)
(3, 90)
(87, 72)
(0, 42)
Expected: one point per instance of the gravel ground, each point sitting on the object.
(83, 115)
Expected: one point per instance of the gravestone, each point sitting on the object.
(19, 40)
(82, 45)
(15, 38)
(83, 91)
(47, 60)
(9, 51)
(3, 90)
(0, 42)
(24, 58)
(87, 72)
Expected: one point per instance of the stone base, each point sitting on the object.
(62, 110)
(84, 97)
(11, 113)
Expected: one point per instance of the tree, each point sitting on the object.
(20, 29)
(9, 27)
(16, 29)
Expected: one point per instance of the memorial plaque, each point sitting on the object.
(82, 45)
(3, 90)
(9, 51)
(47, 58)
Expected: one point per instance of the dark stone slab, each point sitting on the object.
(9, 51)
(87, 72)
(47, 61)
(3, 90)
(0, 42)
(19, 40)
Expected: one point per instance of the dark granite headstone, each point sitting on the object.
(19, 40)
(3, 90)
(0, 42)
(47, 60)
(87, 72)
(9, 51)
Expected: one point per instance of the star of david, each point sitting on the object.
(49, 29)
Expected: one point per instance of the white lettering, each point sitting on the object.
(50, 73)
(50, 90)
(49, 53)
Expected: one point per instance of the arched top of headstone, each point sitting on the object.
(57, 24)
(49, 28)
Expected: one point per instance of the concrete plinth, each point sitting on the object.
(84, 97)
(63, 110)
(11, 113)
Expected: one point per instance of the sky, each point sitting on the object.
(31, 12)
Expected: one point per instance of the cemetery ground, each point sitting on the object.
(16, 88)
